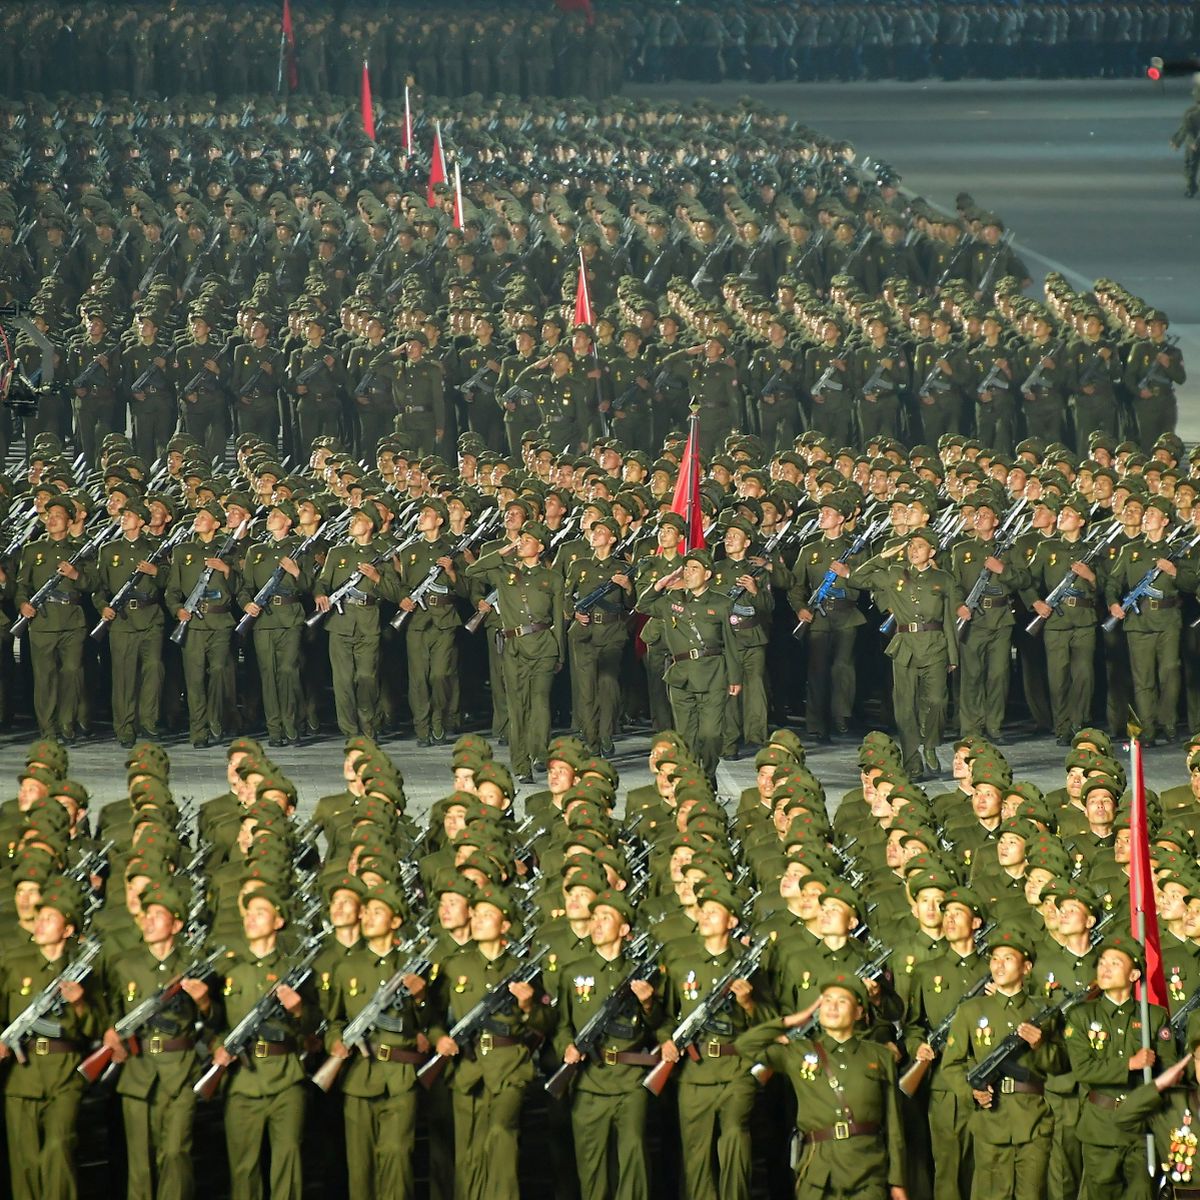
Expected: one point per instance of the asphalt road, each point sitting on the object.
(1080, 170)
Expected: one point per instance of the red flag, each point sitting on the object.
(583, 6)
(459, 215)
(583, 302)
(686, 501)
(408, 142)
(287, 51)
(368, 110)
(1142, 910)
(437, 165)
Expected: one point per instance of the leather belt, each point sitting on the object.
(386, 1053)
(207, 608)
(919, 627)
(65, 598)
(438, 601)
(525, 630)
(277, 600)
(693, 654)
(160, 1045)
(1007, 1086)
(48, 1045)
(1102, 1101)
(494, 1041)
(1165, 602)
(612, 1057)
(265, 1049)
(364, 602)
(995, 603)
(1079, 602)
(600, 617)
(839, 603)
(840, 1131)
(712, 1049)
(416, 408)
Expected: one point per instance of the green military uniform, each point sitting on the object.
(94, 389)
(1094, 380)
(1157, 412)
(881, 375)
(940, 391)
(152, 402)
(995, 405)
(419, 393)
(316, 368)
(430, 638)
(713, 385)
(562, 406)
(369, 375)
(207, 663)
(750, 617)
(829, 387)
(1045, 403)
(258, 374)
(135, 636)
(629, 416)
(650, 569)
(703, 663)
(204, 406)
(775, 376)
(277, 630)
(57, 632)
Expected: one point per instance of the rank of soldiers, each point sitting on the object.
(931, 993)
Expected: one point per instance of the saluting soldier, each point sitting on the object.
(670, 532)
(713, 385)
(561, 399)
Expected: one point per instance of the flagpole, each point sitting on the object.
(282, 56)
(693, 447)
(1140, 839)
(408, 147)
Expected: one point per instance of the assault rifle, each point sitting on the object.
(1005, 536)
(737, 591)
(345, 593)
(1154, 371)
(718, 248)
(45, 593)
(816, 602)
(36, 1019)
(152, 379)
(466, 542)
(994, 381)
(1033, 380)
(1066, 585)
(204, 375)
(1144, 589)
(149, 273)
(477, 382)
(192, 605)
(123, 596)
(910, 1081)
(988, 278)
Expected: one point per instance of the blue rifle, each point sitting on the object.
(822, 593)
(1144, 589)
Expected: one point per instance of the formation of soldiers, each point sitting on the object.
(454, 50)
(931, 994)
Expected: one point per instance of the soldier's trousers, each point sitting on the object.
(260, 417)
(656, 662)
(880, 416)
(137, 677)
(716, 1114)
(834, 419)
(57, 677)
(1044, 418)
(604, 1121)
(419, 433)
(528, 675)
(777, 422)
(485, 1144)
(354, 663)
(1092, 414)
(1071, 668)
(1117, 1171)
(207, 666)
(830, 678)
(438, 1106)
(919, 699)
(278, 654)
(432, 666)
(941, 416)
(374, 423)
(499, 683)
(380, 1132)
(596, 652)
(1154, 664)
(1154, 417)
(41, 1144)
(205, 421)
(746, 713)
(1066, 1154)
(281, 1119)
(1118, 680)
(93, 419)
(698, 707)
(951, 1141)
(996, 425)
(984, 657)
(1031, 655)
(316, 418)
(1010, 1172)
(158, 1138)
(154, 421)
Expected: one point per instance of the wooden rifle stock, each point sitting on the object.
(656, 1078)
(206, 1086)
(326, 1074)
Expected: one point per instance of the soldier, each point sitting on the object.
(560, 398)
(1153, 369)
(94, 366)
(315, 377)
(419, 393)
(1188, 137)
(199, 369)
(940, 373)
(775, 375)
(151, 390)
(1095, 376)
(669, 534)
(713, 384)
(827, 380)
(991, 361)
(1044, 374)
(136, 632)
(881, 370)
(704, 666)
(258, 374)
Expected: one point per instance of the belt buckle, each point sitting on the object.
(156, 1044)
(384, 1053)
(1153, 604)
(41, 1046)
(486, 1043)
(694, 652)
(610, 1056)
(202, 607)
(712, 1049)
(276, 599)
(1008, 1086)
(261, 1049)
(841, 1131)
(132, 606)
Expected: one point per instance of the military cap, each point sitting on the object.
(848, 982)
(167, 896)
(1125, 944)
(389, 895)
(719, 891)
(1015, 938)
(342, 881)
(703, 557)
(496, 896)
(618, 902)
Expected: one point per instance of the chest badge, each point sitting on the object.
(690, 987)
(984, 1032)
(584, 985)
(461, 985)
(808, 1069)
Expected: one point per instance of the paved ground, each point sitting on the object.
(1080, 170)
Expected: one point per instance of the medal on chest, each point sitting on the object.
(983, 1032)
(584, 985)
(690, 987)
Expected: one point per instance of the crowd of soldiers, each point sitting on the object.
(930, 995)
(457, 49)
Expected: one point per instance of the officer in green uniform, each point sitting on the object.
(830, 667)
(419, 393)
(1153, 631)
(268, 1099)
(561, 399)
(847, 1104)
(704, 666)
(985, 656)
(207, 665)
(775, 382)
(1153, 370)
(596, 638)
(670, 533)
(488, 1076)
(531, 626)
(42, 1095)
(205, 367)
(608, 1105)
(923, 600)
(160, 1064)
(56, 631)
(380, 1089)
(136, 632)
(1104, 1039)
(712, 381)
(257, 376)
(147, 380)
(1011, 1124)
(431, 625)
(354, 628)
(753, 605)
(277, 626)
(315, 376)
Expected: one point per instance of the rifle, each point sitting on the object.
(136, 1019)
(476, 382)
(340, 595)
(469, 1027)
(816, 602)
(358, 1030)
(994, 380)
(984, 1072)
(123, 595)
(736, 592)
(1034, 379)
(1154, 371)
(92, 376)
(34, 1020)
(149, 273)
(267, 592)
(910, 1081)
(876, 384)
(1094, 369)
(266, 1008)
(235, 275)
(251, 384)
(45, 593)
(827, 383)
(702, 276)
(989, 275)
(951, 530)
(858, 248)
(935, 381)
(964, 244)
(311, 372)
(196, 596)
(204, 375)
(423, 588)
(152, 379)
(1065, 586)
(1179, 1019)
(89, 864)
(872, 968)
(114, 250)
(1005, 536)
(1144, 589)
(642, 953)
(689, 1031)
(776, 385)
(62, 258)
